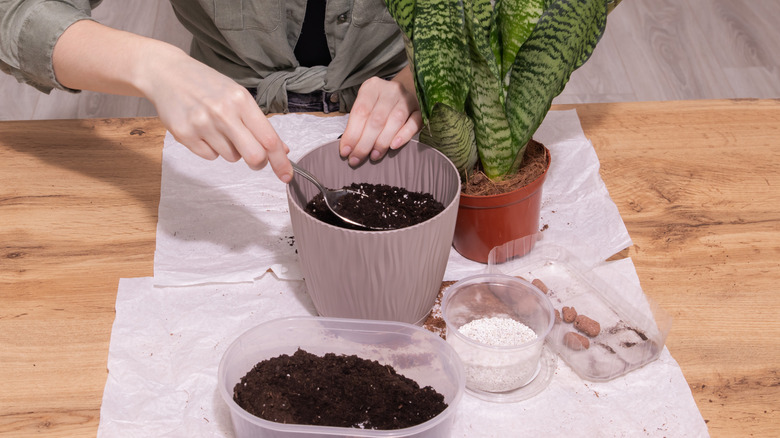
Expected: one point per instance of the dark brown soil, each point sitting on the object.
(533, 166)
(335, 390)
(435, 320)
(381, 206)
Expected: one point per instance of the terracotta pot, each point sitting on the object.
(485, 222)
(390, 275)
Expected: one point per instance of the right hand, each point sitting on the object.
(203, 109)
(214, 116)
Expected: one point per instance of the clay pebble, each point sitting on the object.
(540, 284)
(569, 314)
(576, 341)
(586, 325)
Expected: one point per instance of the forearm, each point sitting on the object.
(91, 56)
(203, 109)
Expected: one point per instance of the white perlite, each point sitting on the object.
(500, 370)
(498, 332)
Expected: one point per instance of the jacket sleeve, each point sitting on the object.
(29, 29)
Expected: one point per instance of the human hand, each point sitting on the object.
(203, 109)
(214, 116)
(385, 115)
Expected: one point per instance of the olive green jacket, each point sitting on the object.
(251, 41)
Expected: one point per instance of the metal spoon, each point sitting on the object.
(332, 197)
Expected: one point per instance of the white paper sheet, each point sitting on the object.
(222, 226)
(167, 343)
(221, 222)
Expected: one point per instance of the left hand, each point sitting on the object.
(385, 115)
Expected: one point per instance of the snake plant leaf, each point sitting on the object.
(483, 35)
(485, 105)
(564, 36)
(440, 50)
(491, 126)
(592, 39)
(409, 48)
(452, 133)
(403, 13)
(516, 21)
(486, 71)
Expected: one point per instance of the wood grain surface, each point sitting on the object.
(698, 185)
(78, 211)
(696, 182)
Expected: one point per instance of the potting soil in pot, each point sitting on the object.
(380, 206)
(335, 390)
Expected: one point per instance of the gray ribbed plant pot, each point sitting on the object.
(390, 275)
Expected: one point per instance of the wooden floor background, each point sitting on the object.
(652, 50)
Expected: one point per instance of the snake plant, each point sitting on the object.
(486, 71)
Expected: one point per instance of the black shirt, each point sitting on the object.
(312, 46)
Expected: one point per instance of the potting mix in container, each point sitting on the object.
(303, 376)
(335, 390)
(377, 206)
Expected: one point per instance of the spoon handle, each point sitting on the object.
(304, 173)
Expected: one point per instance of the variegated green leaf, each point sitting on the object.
(592, 39)
(440, 49)
(516, 21)
(482, 33)
(452, 133)
(486, 98)
(565, 35)
(486, 76)
(418, 90)
(403, 13)
(491, 126)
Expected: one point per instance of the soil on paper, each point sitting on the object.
(379, 206)
(335, 390)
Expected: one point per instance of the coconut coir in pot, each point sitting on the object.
(532, 167)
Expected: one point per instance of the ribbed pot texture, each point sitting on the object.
(390, 275)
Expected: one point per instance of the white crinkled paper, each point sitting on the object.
(222, 227)
(166, 345)
(222, 222)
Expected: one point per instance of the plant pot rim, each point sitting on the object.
(453, 204)
(491, 200)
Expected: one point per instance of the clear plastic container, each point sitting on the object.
(633, 328)
(500, 372)
(414, 352)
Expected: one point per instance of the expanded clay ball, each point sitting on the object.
(576, 341)
(569, 314)
(540, 284)
(586, 325)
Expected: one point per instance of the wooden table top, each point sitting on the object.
(696, 182)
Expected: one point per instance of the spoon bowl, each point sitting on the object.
(332, 197)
